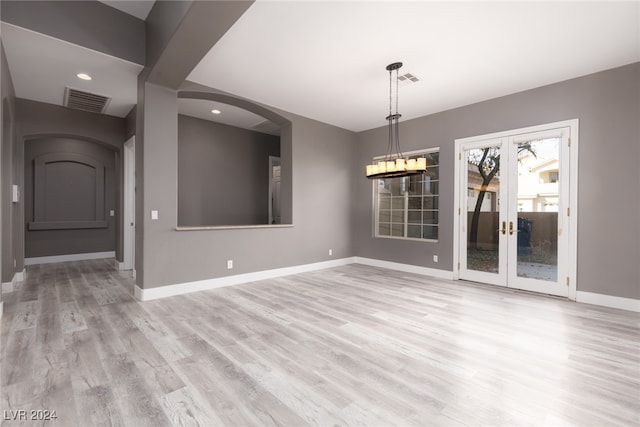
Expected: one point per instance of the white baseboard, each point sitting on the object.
(10, 286)
(67, 258)
(19, 276)
(407, 268)
(219, 282)
(123, 267)
(608, 301)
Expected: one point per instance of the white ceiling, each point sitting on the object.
(229, 115)
(326, 60)
(42, 66)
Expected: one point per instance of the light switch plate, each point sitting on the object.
(112, 213)
(154, 215)
(15, 193)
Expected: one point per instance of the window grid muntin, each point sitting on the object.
(390, 207)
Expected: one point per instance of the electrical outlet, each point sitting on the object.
(330, 252)
(112, 213)
(229, 264)
(154, 215)
(435, 258)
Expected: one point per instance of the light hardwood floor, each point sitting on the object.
(353, 345)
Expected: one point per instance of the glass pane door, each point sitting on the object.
(536, 198)
(537, 207)
(483, 222)
(514, 223)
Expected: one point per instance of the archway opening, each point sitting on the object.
(232, 156)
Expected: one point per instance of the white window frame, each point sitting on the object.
(375, 198)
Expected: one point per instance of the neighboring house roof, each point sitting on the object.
(544, 165)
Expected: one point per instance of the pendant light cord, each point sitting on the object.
(395, 165)
(397, 118)
(394, 121)
(390, 143)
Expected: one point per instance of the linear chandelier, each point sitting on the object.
(395, 165)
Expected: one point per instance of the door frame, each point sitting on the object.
(129, 237)
(570, 215)
(273, 161)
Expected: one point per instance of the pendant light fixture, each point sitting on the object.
(395, 164)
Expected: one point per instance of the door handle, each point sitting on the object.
(511, 229)
(504, 227)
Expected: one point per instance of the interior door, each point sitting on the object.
(514, 192)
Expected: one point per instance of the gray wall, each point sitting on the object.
(37, 120)
(331, 199)
(130, 123)
(69, 197)
(10, 151)
(162, 22)
(180, 33)
(607, 105)
(321, 156)
(223, 173)
(86, 23)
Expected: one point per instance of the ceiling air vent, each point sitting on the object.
(406, 79)
(85, 101)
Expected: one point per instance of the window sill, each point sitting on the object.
(231, 227)
(411, 239)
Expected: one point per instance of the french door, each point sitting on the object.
(514, 210)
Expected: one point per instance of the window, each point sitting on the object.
(407, 208)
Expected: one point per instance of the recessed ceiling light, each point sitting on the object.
(83, 76)
(215, 111)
